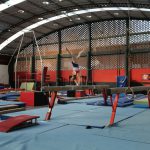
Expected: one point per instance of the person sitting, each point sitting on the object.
(76, 77)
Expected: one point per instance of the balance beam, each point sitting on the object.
(69, 87)
(125, 90)
(55, 89)
(119, 90)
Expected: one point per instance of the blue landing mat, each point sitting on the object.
(81, 114)
(133, 129)
(56, 135)
(98, 117)
(58, 111)
(13, 140)
(67, 138)
(85, 100)
(123, 101)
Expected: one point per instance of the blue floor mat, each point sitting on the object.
(81, 114)
(56, 134)
(132, 129)
(66, 137)
(97, 117)
(57, 112)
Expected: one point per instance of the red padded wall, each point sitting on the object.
(136, 75)
(105, 75)
(97, 75)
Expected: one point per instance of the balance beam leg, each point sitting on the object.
(111, 102)
(51, 105)
(104, 93)
(114, 108)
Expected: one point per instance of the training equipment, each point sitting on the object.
(126, 90)
(105, 91)
(17, 122)
(121, 81)
(34, 98)
(28, 86)
(55, 89)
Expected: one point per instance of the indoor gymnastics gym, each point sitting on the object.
(74, 74)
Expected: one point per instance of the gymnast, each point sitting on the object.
(76, 76)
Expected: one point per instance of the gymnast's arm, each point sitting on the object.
(73, 58)
(80, 53)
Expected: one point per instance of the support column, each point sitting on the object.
(11, 72)
(58, 75)
(33, 62)
(89, 72)
(127, 53)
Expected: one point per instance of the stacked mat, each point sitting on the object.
(12, 96)
(1, 87)
(4, 103)
(141, 99)
(11, 106)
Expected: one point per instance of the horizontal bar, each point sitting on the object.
(69, 87)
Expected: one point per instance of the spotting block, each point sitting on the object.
(79, 93)
(17, 122)
(71, 93)
(76, 93)
(33, 98)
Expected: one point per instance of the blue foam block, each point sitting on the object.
(1, 87)
(12, 94)
(2, 96)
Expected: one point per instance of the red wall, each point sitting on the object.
(105, 75)
(66, 73)
(136, 75)
(24, 76)
(97, 75)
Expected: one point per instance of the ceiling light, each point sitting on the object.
(45, 2)
(75, 9)
(63, 12)
(9, 3)
(89, 16)
(60, 0)
(40, 18)
(71, 14)
(78, 18)
(55, 24)
(116, 14)
(21, 11)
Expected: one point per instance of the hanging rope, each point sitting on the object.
(26, 58)
(41, 61)
(17, 61)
